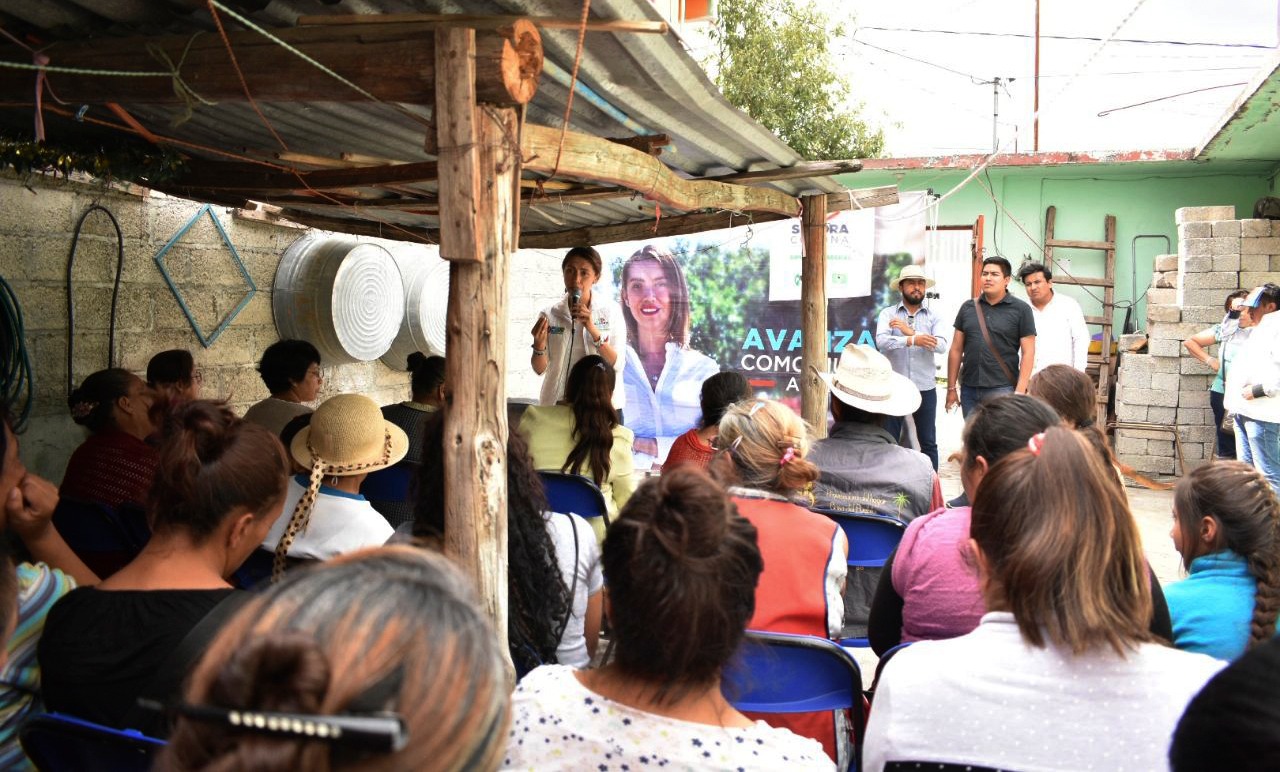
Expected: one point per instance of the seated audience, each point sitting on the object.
(114, 465)
(718, 393)
(25, 599)
(173, 375)
(345, 441)
(583, 436)
(805, 554)
(376, 661)
(863, 469)
(1061, 672)
(553, 560)
(428, 395)
(1226, 526)
(1234, 722)
(218, 488)
(291, 371)
(682, 568)
(929, 589)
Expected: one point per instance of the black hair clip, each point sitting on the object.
(378, 732)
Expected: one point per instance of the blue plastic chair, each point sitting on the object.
(104, 538)
(872, 539)
(574, 494)
(782, 673)
(56, 742)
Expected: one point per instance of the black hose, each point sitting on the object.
(115, 294)
(17, 382)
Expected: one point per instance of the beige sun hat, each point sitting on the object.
(864, 379)
(912, 272)
(348, 436)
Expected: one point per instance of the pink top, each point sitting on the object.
(934, 574)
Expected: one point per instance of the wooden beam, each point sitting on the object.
(815, 169)
(813, 314)
(360, 226)
(681, 225)
(600, 160)
(394, 64)
(233, 175)
(479, 21)
(479, 181)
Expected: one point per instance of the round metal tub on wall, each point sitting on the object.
(345, 296)
(426, 290)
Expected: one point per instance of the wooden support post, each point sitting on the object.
(479, 195)
(813, 313)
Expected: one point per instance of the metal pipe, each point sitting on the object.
(564, 78)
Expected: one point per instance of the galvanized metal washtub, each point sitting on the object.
(426, 294)
(344, 296)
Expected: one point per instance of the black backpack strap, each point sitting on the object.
(184, 655)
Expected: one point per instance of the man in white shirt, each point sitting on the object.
(1061, 335)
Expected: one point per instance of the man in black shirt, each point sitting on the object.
(1012, 331)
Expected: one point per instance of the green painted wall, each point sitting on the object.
(1143, 202)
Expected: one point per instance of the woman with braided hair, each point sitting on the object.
(682, 567)
(345, 441)
(1226, 525)
(218, 487)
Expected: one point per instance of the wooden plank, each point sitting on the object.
(395, 64)
(358, 226)
(1050, 217)
(1097, 320)
(480, 180)
(1077, 244)
(682, 225)
(600, 160)
(486, 21)
(1087, 281)
(813, 314)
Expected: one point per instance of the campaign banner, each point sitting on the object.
(730, 300)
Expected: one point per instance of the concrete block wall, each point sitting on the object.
(37, 218)
(1165, 385)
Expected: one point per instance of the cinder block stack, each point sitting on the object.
(1216, 254)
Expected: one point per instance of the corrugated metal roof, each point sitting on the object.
(650, 83)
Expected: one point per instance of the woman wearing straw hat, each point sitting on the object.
(347, 439)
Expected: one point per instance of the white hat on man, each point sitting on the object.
(912, 272)
(864, 379)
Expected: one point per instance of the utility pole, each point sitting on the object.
(1035, 130)
(995, 84)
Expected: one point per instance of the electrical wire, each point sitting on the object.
(71, 303)
(1068, 37)
(17, 381)
(1109, 111)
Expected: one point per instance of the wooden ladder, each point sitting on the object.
(1102, 366)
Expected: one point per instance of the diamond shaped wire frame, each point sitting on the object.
(208, 340)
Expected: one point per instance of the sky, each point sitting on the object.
(943, 104)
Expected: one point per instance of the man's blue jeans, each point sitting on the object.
(1258, 443)
(972, 396)
(926, 421)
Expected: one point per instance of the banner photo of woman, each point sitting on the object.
(730, 300)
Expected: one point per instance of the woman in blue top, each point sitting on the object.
(1226, 525)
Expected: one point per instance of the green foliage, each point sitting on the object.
(721, 281)
(123, 161)
(774, 61)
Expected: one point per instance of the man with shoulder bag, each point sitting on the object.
(994, 347)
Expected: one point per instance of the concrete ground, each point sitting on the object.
(1152, 509)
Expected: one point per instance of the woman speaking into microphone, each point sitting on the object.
(580, 324)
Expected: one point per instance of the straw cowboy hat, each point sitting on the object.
(912, 272)
(864, 379)
(348, 436)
